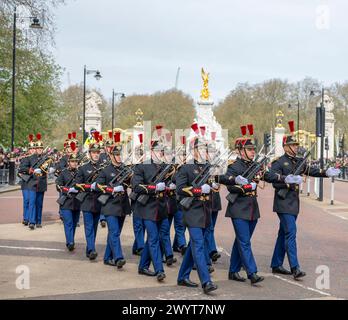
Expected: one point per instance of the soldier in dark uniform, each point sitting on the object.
(69, 206)
(153, 212)
(23, 183)
(90, 206)
(117, 205)
(197, 218)
(288, 209)
(37, 184)
(244, 211)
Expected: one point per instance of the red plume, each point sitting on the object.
(100, 137)
(202, 130)
(168, 136)
(69, 136)
(110, 134)
(251, 129)
(213, 135)
(183, 139)
(284, 139)
(292, 126)
(159, 130)
(117, 137)
(140, 135)
(194, 127)
(73, 146)
(96, 136)
(64, 144)
(31, 137)
(74, 135)
(243, 130)
(38, 136)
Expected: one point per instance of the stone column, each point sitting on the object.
(279, 132)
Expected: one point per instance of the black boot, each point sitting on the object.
(70, 246)
(25, 222)
(93, 255)
(254, 278)
(147, 272)
(297, 273)
(211, 269)
(236, 277)
(31, 226)
(103, 223)
(161, 276)
(182, 250)
(187, 283)
(215, 256)
(281, 270)
(170, 260)
(120, 263)
(109, 262)
(209, 286)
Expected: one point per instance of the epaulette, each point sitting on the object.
(231, 162)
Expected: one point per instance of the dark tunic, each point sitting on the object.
(64, 182)
(143, 183)
(286, 165)
(117, 205)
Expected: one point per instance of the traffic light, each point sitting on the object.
(267, 139)
(326, 143)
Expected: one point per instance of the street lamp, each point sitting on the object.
(320, 132)
(36, 25)
(115, 94)
(97, 76)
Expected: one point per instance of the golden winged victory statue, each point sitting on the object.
(205, 94)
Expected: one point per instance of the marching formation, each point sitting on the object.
(162, 187)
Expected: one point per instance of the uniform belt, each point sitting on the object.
(203, 198)
(250, 194)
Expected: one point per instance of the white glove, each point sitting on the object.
(205, 189)
(215, 185)
(172, 186)
(333, 172)
(51, 170)
(73, 190)
(118, 189)
(291, 179)
(37, 171)
(253, 185)
(93, 186)
(241, 180)
(161, 186)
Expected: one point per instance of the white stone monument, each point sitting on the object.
(205, 115)
(93, 114)
(329, 126)
(279, 133)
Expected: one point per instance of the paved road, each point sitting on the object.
(58, 274)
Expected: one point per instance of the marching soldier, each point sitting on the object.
(104, 158)
(68, 204)
(24, 184)
(116, 206)
(90, 206)
(244, 210)
(287, 208)
(37, 184)
(197, 218)
(153, 212)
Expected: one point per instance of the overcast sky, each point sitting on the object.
(138, 45)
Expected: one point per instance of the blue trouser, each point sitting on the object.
(138, 228)
(166, 248)
(210, 237)
(70, 218)
(90, 221)
(286, 242)
(35, 207)
(102, 217)
(195, 255)
(179, 237)
(152, 250)
(113, 250)
(25, 193)
(241, 251)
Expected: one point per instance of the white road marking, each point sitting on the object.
(301, 285)
(32, 248)
(220, 249)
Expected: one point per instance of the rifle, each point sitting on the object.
(250, 173)
(201, 179)
(82, 196)
(63, 197)
(299, 166)
(119, 179)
